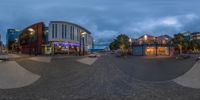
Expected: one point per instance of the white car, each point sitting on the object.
(198, 58)
(3, 57)
(92, 55)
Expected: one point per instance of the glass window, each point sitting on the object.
(62, 31)
(71, 30)
(65, 31)
(52, 30)
(56, 30)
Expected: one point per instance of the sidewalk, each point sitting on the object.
(191, 78)
(12, 75)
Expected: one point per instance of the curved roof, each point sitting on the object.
(32, 26)
(71, 24)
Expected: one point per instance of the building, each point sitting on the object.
(66, 37)
(187, 36)
(1, 45)
(11, 39)
(148, 45)
(195, 37)
(32, 38)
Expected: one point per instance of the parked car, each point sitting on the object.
(198, 58)
(92, 55)
(4, 57)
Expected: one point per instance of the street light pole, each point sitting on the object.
(32, 32)
(80, 45)
(83, 46)
(82, 35)
(130, 46)
(93, 43)
(30, 42)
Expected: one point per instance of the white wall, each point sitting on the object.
(76, 32)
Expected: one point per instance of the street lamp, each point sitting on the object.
(31, 33)
(130, 41)
(145, 38)
(130, 45)
(93, 45)
(82, 36)
(156, 43)
(16, 45)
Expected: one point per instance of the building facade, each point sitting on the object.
(148, 45)
(12, 38)
(195, 36)
(1, 45)
(32, 38)
(187, 35)
(66, 37)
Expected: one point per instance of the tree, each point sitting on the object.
(180, 42)
(121, 42)
(194, 45)
(113, 45)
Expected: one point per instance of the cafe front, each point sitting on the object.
(161, 51)
(148, 45)
(153, 50)
(62, 48)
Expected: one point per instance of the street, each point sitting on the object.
(108, 78)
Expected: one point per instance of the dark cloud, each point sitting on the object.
(105, 19)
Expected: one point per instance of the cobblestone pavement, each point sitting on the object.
(107, 79)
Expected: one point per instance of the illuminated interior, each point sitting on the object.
(150, 51)
(163, 51)
(65, 47)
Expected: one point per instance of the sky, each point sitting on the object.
(105, 18)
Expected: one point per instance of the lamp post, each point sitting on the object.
(31, 33)
(93, 45)
(16, 45)
(130, 45)
(130, 42)
(82, 36)
(145, 38)
(156, 43)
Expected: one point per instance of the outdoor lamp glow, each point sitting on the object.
(130, 40)
(32, 31)
(145, 37)
(83, 34)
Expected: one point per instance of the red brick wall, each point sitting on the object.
(39, 29)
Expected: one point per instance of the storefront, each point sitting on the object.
(47, 49)
(65, 48)
(150, 51)
(148, 45)
(163, 51)
(153, 50)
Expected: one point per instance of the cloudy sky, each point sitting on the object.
(105, 18)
